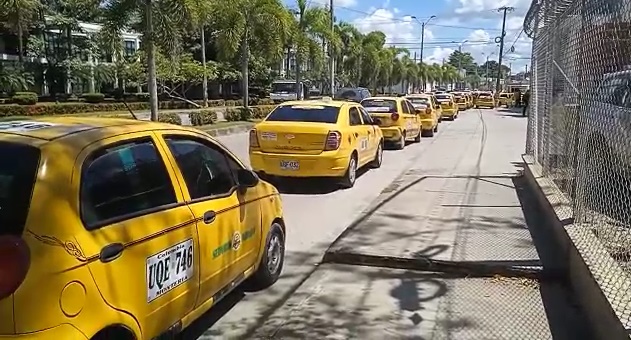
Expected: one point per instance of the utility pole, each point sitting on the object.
(487, 73)
(331, 56)
(504, 9)
(459, 64)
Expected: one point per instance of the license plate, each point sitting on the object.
(289, 165)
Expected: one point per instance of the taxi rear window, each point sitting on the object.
(387, 105)
(438, 96)
(305, 113)
(419, 100)
(16, 185)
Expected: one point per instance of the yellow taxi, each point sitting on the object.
(469, 97)
(124, 229)
(429, 110)
(448, 105)
(485, 99)
(461, 100)
(397, 119)
(507, 99)
(316, 138)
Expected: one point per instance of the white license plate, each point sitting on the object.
(289, 165)
(169, 269)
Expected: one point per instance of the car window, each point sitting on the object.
(346, 94)
(208, 171)
(354, 116)
(304, 113)
(379, 105)
(405, 108)
(123, 180)
(410, 107)
(365, 116)
(16, 185)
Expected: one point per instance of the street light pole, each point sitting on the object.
(332, 61)
(422, 39)
(460, 62)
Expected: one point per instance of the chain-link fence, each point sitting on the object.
(579, 127)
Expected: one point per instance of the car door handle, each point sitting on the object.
(209, 217)
(111, 252)
(356, 134)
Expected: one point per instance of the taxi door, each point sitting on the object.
(373, 136)
(359, 135)
(140, 235)
(224, 220)
(412, 119)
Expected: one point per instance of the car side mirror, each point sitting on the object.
(419, 111)
(376, 121)
(247, 178)
(437, 107)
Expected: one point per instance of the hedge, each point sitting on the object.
(94, 97)
(78, 107)
(243, 114)
(170, 117)
(25, 98)
(203, 117)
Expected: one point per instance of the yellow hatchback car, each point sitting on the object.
(429, 110)
(485, 99)
(124, 229)
(316, 138)
(448, 105)
(506, 99)
(462, 101)
(396, 117)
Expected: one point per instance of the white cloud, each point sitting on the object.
(481, 6)
(341, 3)
(437, 55)
(397, 30)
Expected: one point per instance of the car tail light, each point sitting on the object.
(254, 140)
(333, 140)
(428, 111)
(394, 116)
(15, 260)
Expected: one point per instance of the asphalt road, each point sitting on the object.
(316, 215)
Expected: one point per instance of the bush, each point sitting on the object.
(238, 114)
(170, 117)
(94, 98)
(260, 112)
(141, 97)
(203, 117)
(25, 98)
(231, 102)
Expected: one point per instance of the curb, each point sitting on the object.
(593, 302)
(229, 130)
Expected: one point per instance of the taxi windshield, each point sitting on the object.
(391, 105)
(305, 113)
(16, 184)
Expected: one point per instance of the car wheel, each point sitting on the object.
(436, 128)
(417, 139)
(272, 261)
(401, 143)
(376, 163)
(348, 181)
(428, 133)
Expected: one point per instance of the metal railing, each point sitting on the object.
(579, 127)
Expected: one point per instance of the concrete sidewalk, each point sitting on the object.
(447, 252)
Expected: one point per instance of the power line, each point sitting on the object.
(514, 42)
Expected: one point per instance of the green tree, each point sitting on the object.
(246, 27)
(18, 16)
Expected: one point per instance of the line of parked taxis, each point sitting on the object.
(334, 138)
(125, 229)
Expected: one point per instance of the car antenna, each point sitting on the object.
(129, 109)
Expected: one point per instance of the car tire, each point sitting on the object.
(376, 163)
(428, 133)
(400, 145)
(417, 139)
(436, 128)
(272, 262)
(348, 181)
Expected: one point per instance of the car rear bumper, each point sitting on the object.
(427, 124)
(64, 331)
(449, 112)
(391, 133)
(485, 104)
(322, 165)
(463, 106)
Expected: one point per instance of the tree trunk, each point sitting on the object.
(205, 80)
(20, 38)
(245, 57)
(298, 74)
(152, 82)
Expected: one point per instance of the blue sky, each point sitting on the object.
(477, 21)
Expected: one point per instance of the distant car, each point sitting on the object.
(448, 105)
(316, 138)
(485, 99)
(355, 94)
(397, 119)
(429, 110)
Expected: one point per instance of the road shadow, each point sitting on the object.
(311, 185)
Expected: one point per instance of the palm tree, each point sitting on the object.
(250, 26)
(161, 23)
(311, 22)
(18, 15)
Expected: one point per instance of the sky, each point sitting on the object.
(473, 23)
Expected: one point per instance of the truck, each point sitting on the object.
(284, 90)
